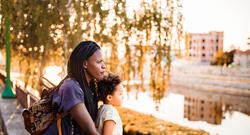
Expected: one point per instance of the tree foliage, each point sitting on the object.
(44, 32)
(223, 58)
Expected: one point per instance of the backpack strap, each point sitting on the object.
(59, 117)
(59, 128)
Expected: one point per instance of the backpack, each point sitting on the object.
(41, 114)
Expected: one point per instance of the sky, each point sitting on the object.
(230, 16)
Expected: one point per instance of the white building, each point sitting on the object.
(242, 58)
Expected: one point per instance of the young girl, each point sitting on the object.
(110, 92)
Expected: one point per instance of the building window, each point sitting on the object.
(217, 48)
(190, 42)
(203, 55)
(203, 40)
(217, 41)
(202, 109)
(203, 48)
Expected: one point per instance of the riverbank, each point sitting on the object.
(135, 123)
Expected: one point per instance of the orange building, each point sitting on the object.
(202, 47)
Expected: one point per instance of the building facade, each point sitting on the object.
(248, 41)
(202, 47)
(242, 58)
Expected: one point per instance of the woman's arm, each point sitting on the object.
(82, 117)
(108, 127)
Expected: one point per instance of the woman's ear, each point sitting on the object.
(85, 64)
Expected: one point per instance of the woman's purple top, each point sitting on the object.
(68, 95)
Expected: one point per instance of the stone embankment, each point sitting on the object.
(232, 81)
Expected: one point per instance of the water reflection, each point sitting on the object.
(211, 107)
(212, 112)
(209, 111)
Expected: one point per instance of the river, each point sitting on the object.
(212, 112)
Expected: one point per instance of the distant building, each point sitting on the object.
(248, 41)
(242, 58)
(201, 47)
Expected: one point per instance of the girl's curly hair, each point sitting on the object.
(107, 85)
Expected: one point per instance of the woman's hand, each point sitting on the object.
(81, 115)
(108, 127)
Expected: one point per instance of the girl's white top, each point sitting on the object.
(108, 112)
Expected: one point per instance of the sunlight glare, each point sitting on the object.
(51, 73)
(36, 93)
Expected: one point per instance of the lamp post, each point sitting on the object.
(7, 93)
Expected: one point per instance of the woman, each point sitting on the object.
(77, 93)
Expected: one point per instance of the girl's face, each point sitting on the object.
(94, 66)
(117, 96)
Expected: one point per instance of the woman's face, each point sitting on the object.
(94, 66)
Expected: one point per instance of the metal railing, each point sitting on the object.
(25, 97)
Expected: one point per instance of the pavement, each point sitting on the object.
(11, 122)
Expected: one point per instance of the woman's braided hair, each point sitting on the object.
(75, 70)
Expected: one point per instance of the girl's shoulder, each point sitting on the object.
(107, 107)
(109, 110)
